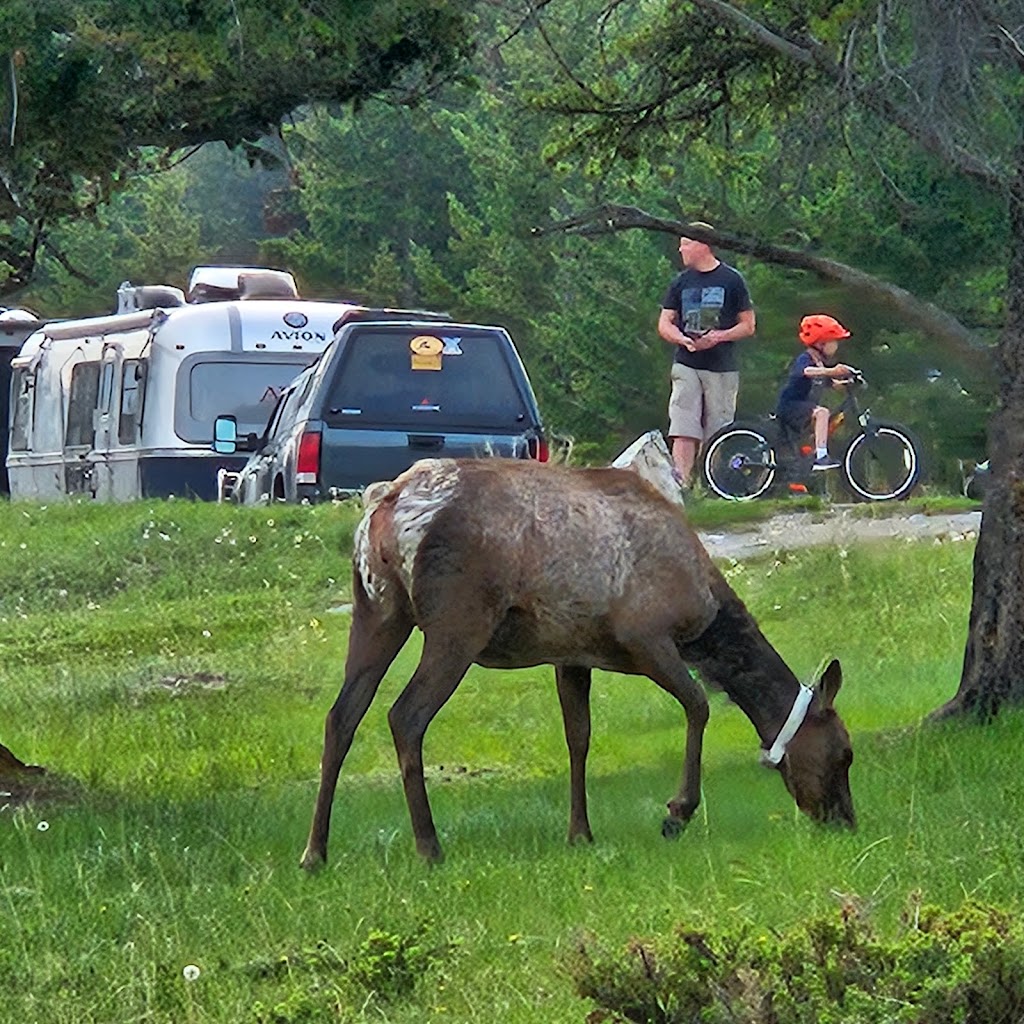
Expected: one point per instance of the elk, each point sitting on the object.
(511, 564)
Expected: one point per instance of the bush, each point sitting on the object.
(965, 967)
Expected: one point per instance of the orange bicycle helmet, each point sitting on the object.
(820, 327)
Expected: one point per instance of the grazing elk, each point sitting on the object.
(510, 564)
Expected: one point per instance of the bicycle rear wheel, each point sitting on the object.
(739, 462)
(883, 465)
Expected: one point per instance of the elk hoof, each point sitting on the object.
(312, 861)
(672, 828)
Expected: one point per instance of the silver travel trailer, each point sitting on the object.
(122, 406)
(15, 326)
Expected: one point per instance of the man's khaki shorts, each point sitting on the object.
(701, 401)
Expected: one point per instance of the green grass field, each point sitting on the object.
(171, 665)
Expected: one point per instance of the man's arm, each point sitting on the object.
(744, 327)
(668, 329)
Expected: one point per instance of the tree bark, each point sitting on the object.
(993, 669)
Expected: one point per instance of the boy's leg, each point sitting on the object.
(822, 459)
(819, 415)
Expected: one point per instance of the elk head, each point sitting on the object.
(816, 765)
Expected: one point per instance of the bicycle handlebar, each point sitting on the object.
(854, 378)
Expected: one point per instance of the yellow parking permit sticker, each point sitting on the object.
(426, 352)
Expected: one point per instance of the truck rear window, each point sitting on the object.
(429, 378)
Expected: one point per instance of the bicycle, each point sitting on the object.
(746, 460)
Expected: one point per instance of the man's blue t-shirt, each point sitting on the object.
(704, 301)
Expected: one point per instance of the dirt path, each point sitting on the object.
(839, 527)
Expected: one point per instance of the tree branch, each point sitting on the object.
(73, 271)
(939, 325)
(760, 33)
(1013, 42)
(873, 95)
(13, 72)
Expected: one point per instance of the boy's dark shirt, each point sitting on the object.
(797, 389)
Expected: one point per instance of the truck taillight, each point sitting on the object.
(538, 449)
(308, 469)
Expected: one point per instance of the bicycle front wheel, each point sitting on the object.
(739, 463)
(882, 465)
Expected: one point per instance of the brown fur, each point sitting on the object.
(509, 564)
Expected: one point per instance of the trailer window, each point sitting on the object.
(246, 390)
(22, 388)
(85, 385)
(133, 381)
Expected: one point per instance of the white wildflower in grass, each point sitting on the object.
(252, 538)
(190, 972)
(270, 522)
(207, 634)
(42, 826)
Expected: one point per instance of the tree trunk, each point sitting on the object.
(993, 670)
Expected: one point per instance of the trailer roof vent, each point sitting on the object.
(131, 298)
(217, 284)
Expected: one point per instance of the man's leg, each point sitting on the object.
(684, 455)
(720, 390)
(685, 415)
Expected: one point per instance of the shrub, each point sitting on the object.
(965, 966)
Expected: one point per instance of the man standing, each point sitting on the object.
(706, 308)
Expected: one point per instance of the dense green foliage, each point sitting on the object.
(171, 664)
(96, 90)
(966, 966)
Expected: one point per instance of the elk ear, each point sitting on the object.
(828, 687)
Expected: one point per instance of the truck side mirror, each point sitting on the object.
(225, 435)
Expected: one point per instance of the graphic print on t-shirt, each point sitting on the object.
(702, 308)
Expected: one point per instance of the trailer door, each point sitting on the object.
(80, 431)
(104, 457)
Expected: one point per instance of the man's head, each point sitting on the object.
(697, 254)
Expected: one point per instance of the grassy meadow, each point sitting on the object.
(171, 665)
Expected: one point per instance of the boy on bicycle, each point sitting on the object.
(821, 335)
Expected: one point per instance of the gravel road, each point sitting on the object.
(840, 527)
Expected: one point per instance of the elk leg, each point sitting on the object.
(374, 641)
(573, 682)
(661, 662)
(441, 668)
